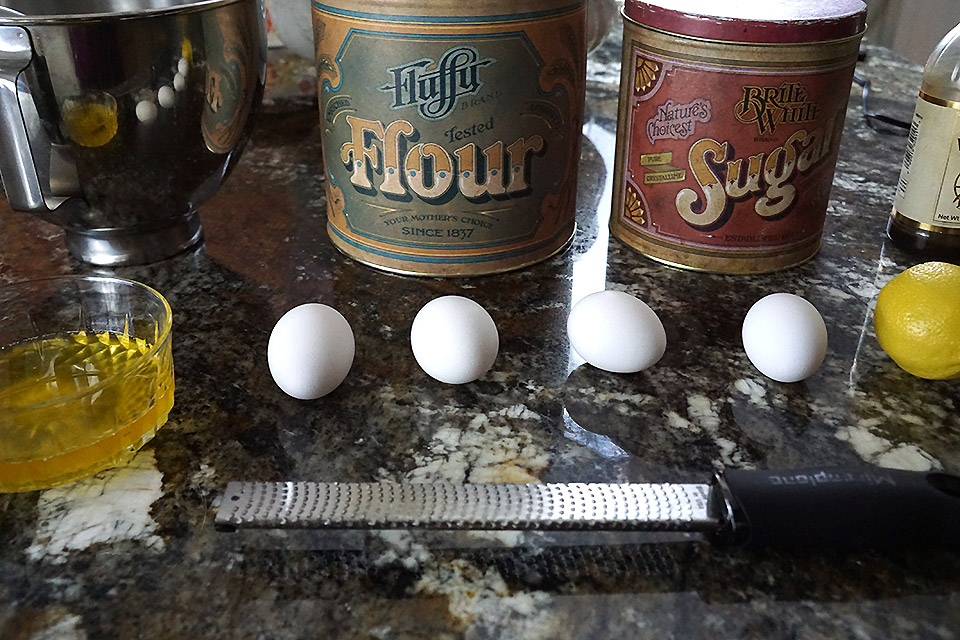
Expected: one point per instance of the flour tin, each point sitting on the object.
(451, 130)
(729, 126)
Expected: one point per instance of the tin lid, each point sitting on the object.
(760, 21)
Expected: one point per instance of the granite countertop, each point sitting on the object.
(132, 552)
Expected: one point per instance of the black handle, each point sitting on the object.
(857, 507)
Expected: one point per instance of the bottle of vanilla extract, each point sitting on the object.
(926, 209)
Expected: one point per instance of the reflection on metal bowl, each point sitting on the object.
(120, 119)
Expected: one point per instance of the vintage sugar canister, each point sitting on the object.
(729, 126)
(451, 130)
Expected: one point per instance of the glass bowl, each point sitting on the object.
(86, 376)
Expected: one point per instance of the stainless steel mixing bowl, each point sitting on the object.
(118, 118)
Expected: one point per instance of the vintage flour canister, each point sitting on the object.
(451, 130)
(729, 126)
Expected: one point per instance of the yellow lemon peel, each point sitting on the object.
(917, 320)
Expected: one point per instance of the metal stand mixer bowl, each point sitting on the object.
(118, 118)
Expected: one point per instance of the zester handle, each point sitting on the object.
(846, 507)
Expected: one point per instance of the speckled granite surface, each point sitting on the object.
(132, 553)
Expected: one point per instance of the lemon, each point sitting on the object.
(917, 320)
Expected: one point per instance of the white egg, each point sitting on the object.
(183, 66)
(166, 97)
(616, 332)
(146, 111)
(310, 351)
(179, 82)
(454, 339)
(785, 337)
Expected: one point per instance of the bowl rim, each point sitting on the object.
(172, 7)
(163, 335)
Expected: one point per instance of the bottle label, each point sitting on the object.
(928, 191)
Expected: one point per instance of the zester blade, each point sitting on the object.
(438, 505)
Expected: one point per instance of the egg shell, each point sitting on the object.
(310, 351)
(146, 111)
(454, 339)
(166, 97)
(179, 82)
(785, 337)
(616, 332)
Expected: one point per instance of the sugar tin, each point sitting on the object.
(729, 126)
